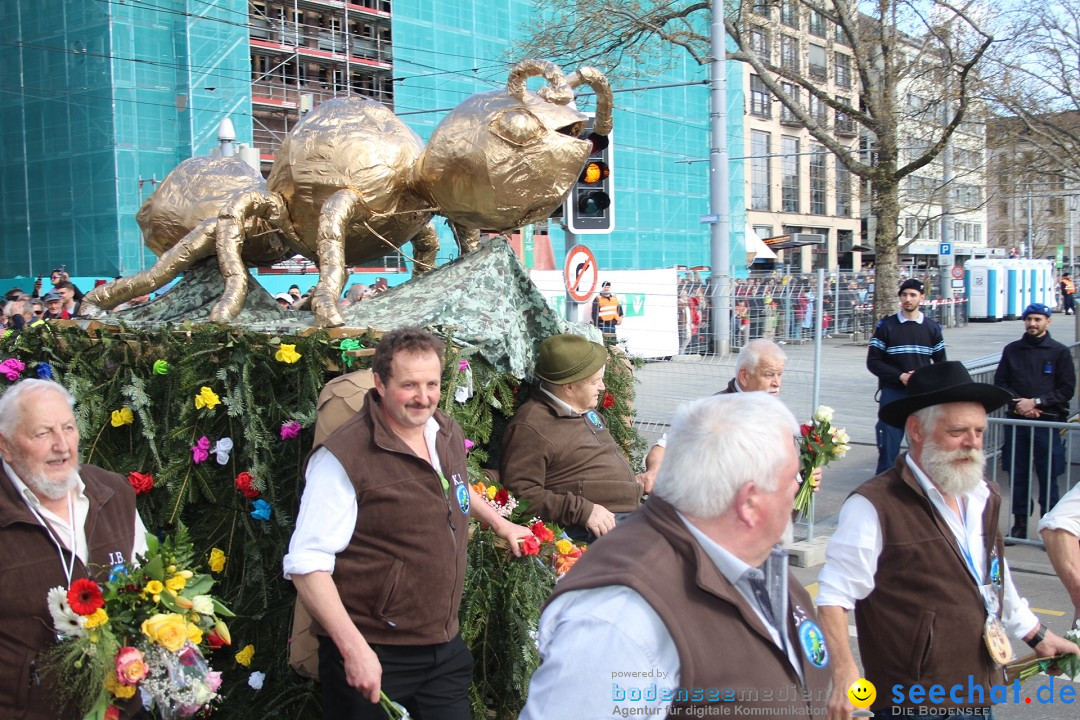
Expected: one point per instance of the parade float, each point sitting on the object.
(205, 398)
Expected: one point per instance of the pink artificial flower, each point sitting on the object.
(200, 450)
(469, 444)
(213, 680)
(130, 666)
(290, 430)
(463, 366)
(12, 369)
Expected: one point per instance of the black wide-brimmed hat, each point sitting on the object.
(940, 383)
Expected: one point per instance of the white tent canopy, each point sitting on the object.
(755, 248)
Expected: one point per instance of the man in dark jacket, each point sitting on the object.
(1038, 372)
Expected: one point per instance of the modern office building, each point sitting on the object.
(107, 97)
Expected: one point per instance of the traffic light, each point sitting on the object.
(590, 206)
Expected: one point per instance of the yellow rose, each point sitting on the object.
(563, 546)
(287, 354)
(194, 633)
(206, 398)
(491, 492)
(244, 656)
(96, 619)
(166, 629)
(123, 416)
(176, 583)
(217, 560)
(118, 689)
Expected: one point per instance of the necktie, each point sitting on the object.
(761, 594)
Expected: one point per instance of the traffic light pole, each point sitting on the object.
(719, 200)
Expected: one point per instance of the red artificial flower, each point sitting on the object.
(530, 546)
(502, 497)
(142, 482)
(542, 532)
(243, 484)
(805, 430)
(112, 713)
(84, 596)
(609, 400)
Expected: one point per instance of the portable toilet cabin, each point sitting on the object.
(1015, 282)
(985, 282)
(1044, 282)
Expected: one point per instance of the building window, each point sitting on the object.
(843, 190)
(759, 43)
(844, 124)
(842, 66)
(760, 101)
(789, 13)
(760, 7)
(789, 173)
(816, 107)
(760, 182)
(815, 23)
(792, 91)
(789, 52)
(816, 60)
(818, 182)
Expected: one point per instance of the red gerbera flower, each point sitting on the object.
(530, 546)
(84, 596)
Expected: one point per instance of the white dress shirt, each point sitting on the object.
(851, 557)
(1065, 515)
(327, 517)
(63, 531)
(587, 635)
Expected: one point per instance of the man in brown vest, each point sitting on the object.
(378, 554)
(688, 607)
(58, 522)
(918, 554)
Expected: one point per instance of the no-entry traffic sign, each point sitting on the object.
(958, 272)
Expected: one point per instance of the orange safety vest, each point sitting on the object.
(608, 308)
(1068, 286)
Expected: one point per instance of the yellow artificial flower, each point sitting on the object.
(194, 633)
(563, 546)
(155, 588)
(287, 354)
(491, 492)
(117, 688)
(217, 560)
(96, 619)
(176, 583)
(207, 399)
(123, 416)
(244, 656)
(166, 629)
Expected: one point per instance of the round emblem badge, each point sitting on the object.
(462, 492)
(812, 640)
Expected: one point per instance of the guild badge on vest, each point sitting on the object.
(995, 571)
(462, 494)
(812, 641)
(594, 417)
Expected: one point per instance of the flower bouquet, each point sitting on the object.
(551, 547)
(819, 444)
(143, 629)
(1028, 667)
(499, 498)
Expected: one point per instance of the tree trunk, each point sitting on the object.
(885, 206)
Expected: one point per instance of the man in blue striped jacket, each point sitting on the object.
(902, 344)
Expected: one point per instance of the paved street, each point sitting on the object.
(849, 388)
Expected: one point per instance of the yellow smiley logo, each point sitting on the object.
(862, 693)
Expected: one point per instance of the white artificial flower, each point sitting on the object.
(824, 413)
(203, 693)
(202, 604)
(255, 680)
(222, 449)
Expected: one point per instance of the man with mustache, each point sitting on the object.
(378, 554)
(918, 555)
(59, 521)
(1037, 371)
